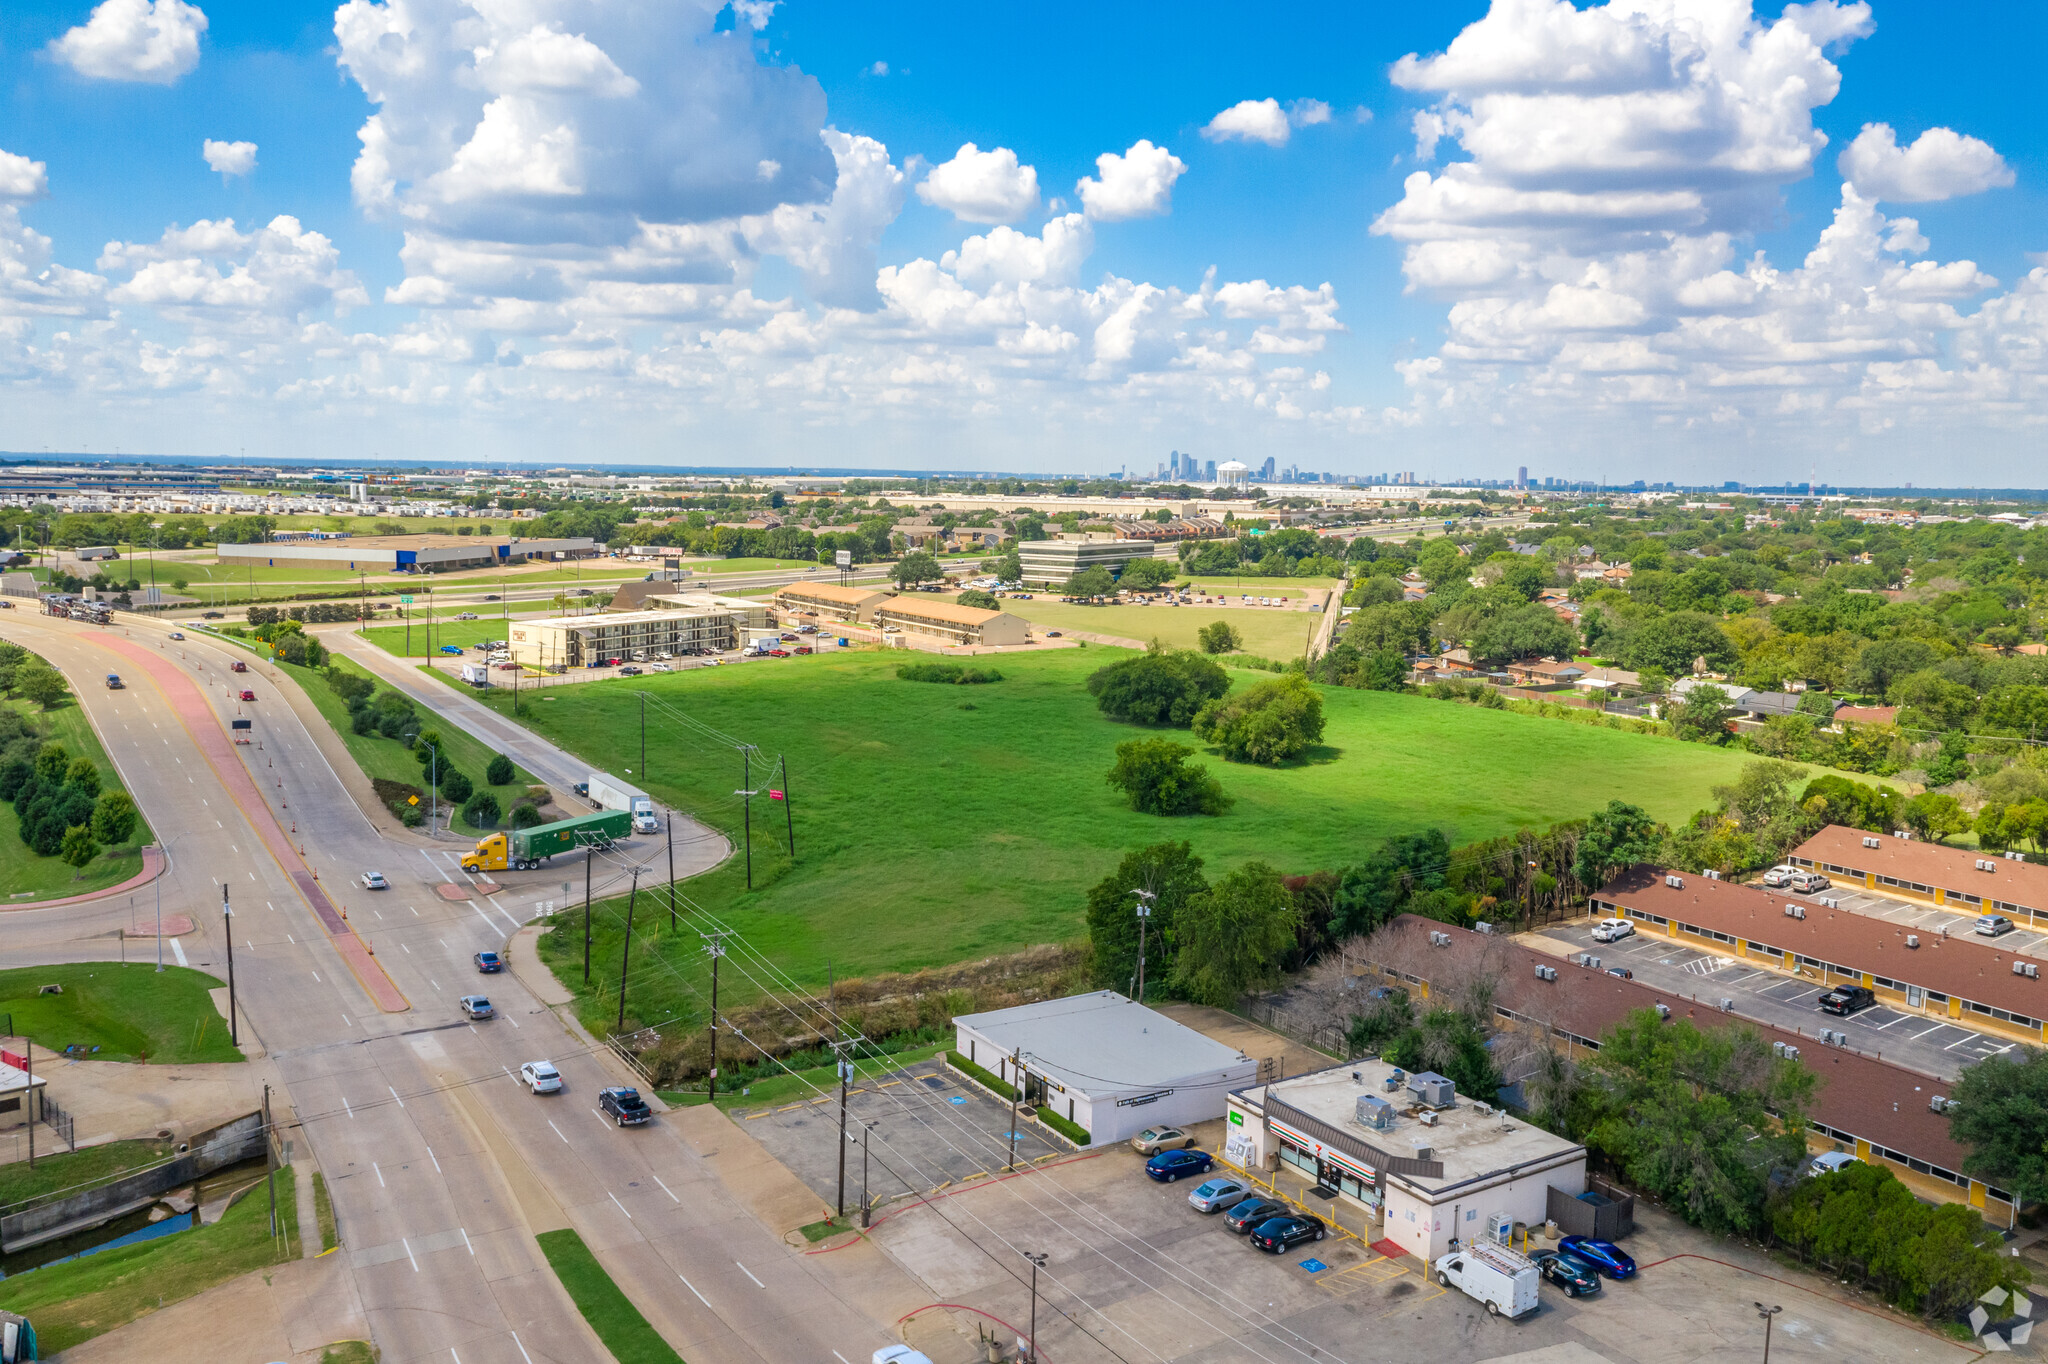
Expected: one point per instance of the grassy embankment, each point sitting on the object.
(72, 1302)
(130, 1011)
(26, 877)
(929, 832)
(609, 1311)
(73, 1170)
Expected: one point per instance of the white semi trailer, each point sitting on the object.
(606, 792)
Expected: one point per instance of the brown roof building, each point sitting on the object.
(1866, 715)
(1967, 880)
(950, 621)
(1883, 1111)
(1963, 977)
(830, 600)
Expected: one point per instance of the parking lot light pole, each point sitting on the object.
(227, 919)
(866, 1128)
(1037, 1263)
(1767, 1313)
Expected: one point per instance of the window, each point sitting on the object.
(1763, 949)
(1297, 1157)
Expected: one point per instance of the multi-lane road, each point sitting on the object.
(442, 1167)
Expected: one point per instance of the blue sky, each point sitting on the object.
(568, 241)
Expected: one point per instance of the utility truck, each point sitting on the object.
(1491, 1274)
(607, 792)
(525, 849)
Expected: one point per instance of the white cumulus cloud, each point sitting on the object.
(1939, 164)
(979, 186)
(154, 41)
(229, 158)
(1251, 120)
(21, 178)
(1137, 184)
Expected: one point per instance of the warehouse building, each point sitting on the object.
(1866, 1106)
(406, 553)
(1051, 562)
(951, 622)
(1962, 879)
(687, 623)
(1966, 978)
(1429, 1164)
(1104, 1063)
(830, 601)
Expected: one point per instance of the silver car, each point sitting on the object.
(1217, 1194)
(541, 1077)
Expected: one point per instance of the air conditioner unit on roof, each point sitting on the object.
(1713, 875)
(1912, 940)
(1871, 843)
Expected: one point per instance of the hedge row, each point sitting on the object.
(1072, 1131)
(988, 1080)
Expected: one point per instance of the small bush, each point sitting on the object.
(985, 1078)
(500, 772)
(1072, 1131)
(949, 673)
(1156, 775)
(526, 816)
(482, 811)
(455, 786)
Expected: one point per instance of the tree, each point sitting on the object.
(1886, 661)
(2000, 1114)
(1377, 590)
(1674, 642)
(1523, 632)
(1268, 723)
(1157, 777)
(1142, 575)
(975, 597)
(1090, 582)
(1703, 715)
(1373, 891)
(1009, 567)
(40, 685)
(78, 847)
(1398, 627)
(114, 817)
(1452, 1045)
(499, 772)
(918, 567)
(1698, 1118)
(481, 810)
(1614, 838)
(1934, 815)
(1157, 687)
(525, 816)
(455, 786)
(1232, 937)
(52, 762)
(1172, 873)
(1220, 638)
(81, 774)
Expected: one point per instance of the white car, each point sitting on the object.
(659, 668)
(541, 1077)
(374, 880)
(1780, 874)
(1613, 930)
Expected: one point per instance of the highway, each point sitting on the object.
(441, 1166)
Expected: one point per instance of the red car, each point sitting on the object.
(778, 653)
(238, 666)
(248, 695)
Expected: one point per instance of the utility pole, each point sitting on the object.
(227, 920)
(714, 945)
(845, 1077)
(1767, 1313)
(1016, 1092)
(866, 1207)
(270, 1160)
(163, 850)
(643, 736)
(669, 825)
(28, 1066)
(1145, 899)
(626, 956)
(589, 856)
(787, 818)
(1037, 1263)
(747, 811)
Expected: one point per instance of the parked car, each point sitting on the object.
(490, 963)
(492, 597)
(541, 1077)
(238, 666)
(657, 668)
(1052, 634)
(629, 671)
(1993, 925)
(467, 615)
(1807, 882)
(778, 653)
(476, 1006)
(1613, 930)
(626, 1107)
(1215, 1195)
(508, 666)
(1153, 1140)
(1779, 875)
(374, 880)
(1248, 1213)
(1574, 1277)
(1604, 1256)
(247, 695)
(1276, 1234)
(451, 648)
(1827, 1162)
(1168, 1166)
(1847, 999)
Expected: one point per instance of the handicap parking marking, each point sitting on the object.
(1313, 1265)
(957, 1099)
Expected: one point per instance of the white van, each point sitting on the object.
(1494, 1275)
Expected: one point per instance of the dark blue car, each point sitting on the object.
(1168, 1166)
(489, 962)
(1604, 1256)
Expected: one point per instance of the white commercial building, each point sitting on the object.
(1105, 1063)
(1428, 1164)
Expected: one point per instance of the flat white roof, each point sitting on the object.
(1104, 1043)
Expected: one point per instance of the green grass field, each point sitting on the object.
(72, 1302)
(401, 642)
(929, 832)
(72, 1170)
(609, 1311)
(25, 877)
(131, 1012)
(1267, 633)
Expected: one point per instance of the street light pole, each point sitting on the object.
(164, 851)
(1037, 1263)
(227, 919)
(1767, 1313)
(866, 1207)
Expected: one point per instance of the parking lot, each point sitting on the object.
(1133, 1272)
(1922, 1041)
(1922, 918)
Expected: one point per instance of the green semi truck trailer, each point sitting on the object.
(525, 849)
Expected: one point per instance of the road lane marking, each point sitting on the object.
(501, 909)
(522, 1349)
(431, 1156)
(665, 1189)
(693, 1288)
(600, 1117)
(178, 950)
(470, 1248)
(750, 1274)
(394, 1094)
(345, 1108)
(841, 1358)
(409, 1256)
(408, 950)
(379, 1173)
(345, 1023)
(558, 1132)
(615, 1203)
(316, 974)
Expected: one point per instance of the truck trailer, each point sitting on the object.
(607, 792)
(1492, 1274)
(525, 849)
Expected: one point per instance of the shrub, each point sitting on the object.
(455, 786)
(1072, 1131)
(1158, 687)
(952, 673)
(985, 1078)
(350, 687)
(1269, 723)
(974, 677)
(1220, 638)
(482, 811)
(1155, 774)
(500, 772)
(526, 816)
(81, 775)
(78, 846)
(113, 817)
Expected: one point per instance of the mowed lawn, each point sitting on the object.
(130, 1011)
(1268, 632)
(938, 823)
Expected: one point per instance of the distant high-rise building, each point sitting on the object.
(1266, 470)
(1522, 476)
(1209, 471)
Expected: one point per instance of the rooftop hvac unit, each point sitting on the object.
(1712, 875)
(1396, 1079)
(1427, 1117)
(1375, 1112)
(1663, 1010)
(1983, 865)
(2033, 971)
(1433, 1090)
(1829, 1037)
(1941, 1105)
(1903, 835)
(1592, 961)
(1912, 940)
(2015, 857)
(1546, 973)
(1871, 843)
(1482, 927)
(1777, 1048)
(1423, 1150)
(1439, 940)
(1796, 911)
(1675, 882)
(1791, 1052)
(1727, 1006)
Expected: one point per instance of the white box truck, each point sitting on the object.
(1492, 1274)
(607, 792)
(476, 674)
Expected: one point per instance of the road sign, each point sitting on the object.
(405, 601)
(843, 558)
(412, 800)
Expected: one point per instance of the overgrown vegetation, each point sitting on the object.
(953, 674)
(1156, 775)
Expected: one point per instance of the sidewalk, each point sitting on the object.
(288, 1312)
